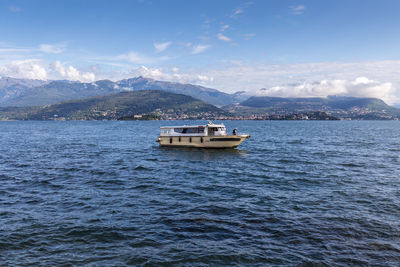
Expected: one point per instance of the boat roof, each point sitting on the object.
(194, 126)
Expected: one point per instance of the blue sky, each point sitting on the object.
(228, 45)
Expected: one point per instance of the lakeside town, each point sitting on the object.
(313, 115)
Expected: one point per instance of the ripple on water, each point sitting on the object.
(296, 193)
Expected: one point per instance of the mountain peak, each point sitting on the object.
(136, 79)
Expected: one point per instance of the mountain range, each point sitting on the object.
(11, 88)
(35, 99)
(18, 92)
(351, 107)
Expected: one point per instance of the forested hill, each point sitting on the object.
(116, 106)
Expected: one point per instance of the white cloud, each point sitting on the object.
(161, 46)
(298, 10)
(223, 37)
(155, 73)
(197, 49)
(237, 12)
(206, 24)
(362, 80)
(240, 10)
(132, 57)
(248, 36)
(57, 66)
(359, 87)
(52, 49)
(204, 78)
(12, 52)
(15, 50)
(70, 73)
(14, 9)
(204, 38)
(224, 27)
(88, 76)
(29, 69)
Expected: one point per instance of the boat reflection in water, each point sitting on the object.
(200, 136)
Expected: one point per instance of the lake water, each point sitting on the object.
(104, 193)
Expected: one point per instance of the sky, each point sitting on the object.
(280, 47)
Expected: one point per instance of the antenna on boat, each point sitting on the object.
(210, 122)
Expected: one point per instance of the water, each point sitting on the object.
(103, 193)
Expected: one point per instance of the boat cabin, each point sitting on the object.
(200, 130)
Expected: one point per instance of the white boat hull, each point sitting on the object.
(225, 141)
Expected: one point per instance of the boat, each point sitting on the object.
(202, 136)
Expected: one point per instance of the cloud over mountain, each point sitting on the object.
(359, 87)
(71, 73)
(379, 79)
(30, 69)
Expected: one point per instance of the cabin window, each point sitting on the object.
(189, 130)
(216, 130)
(192, 130)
